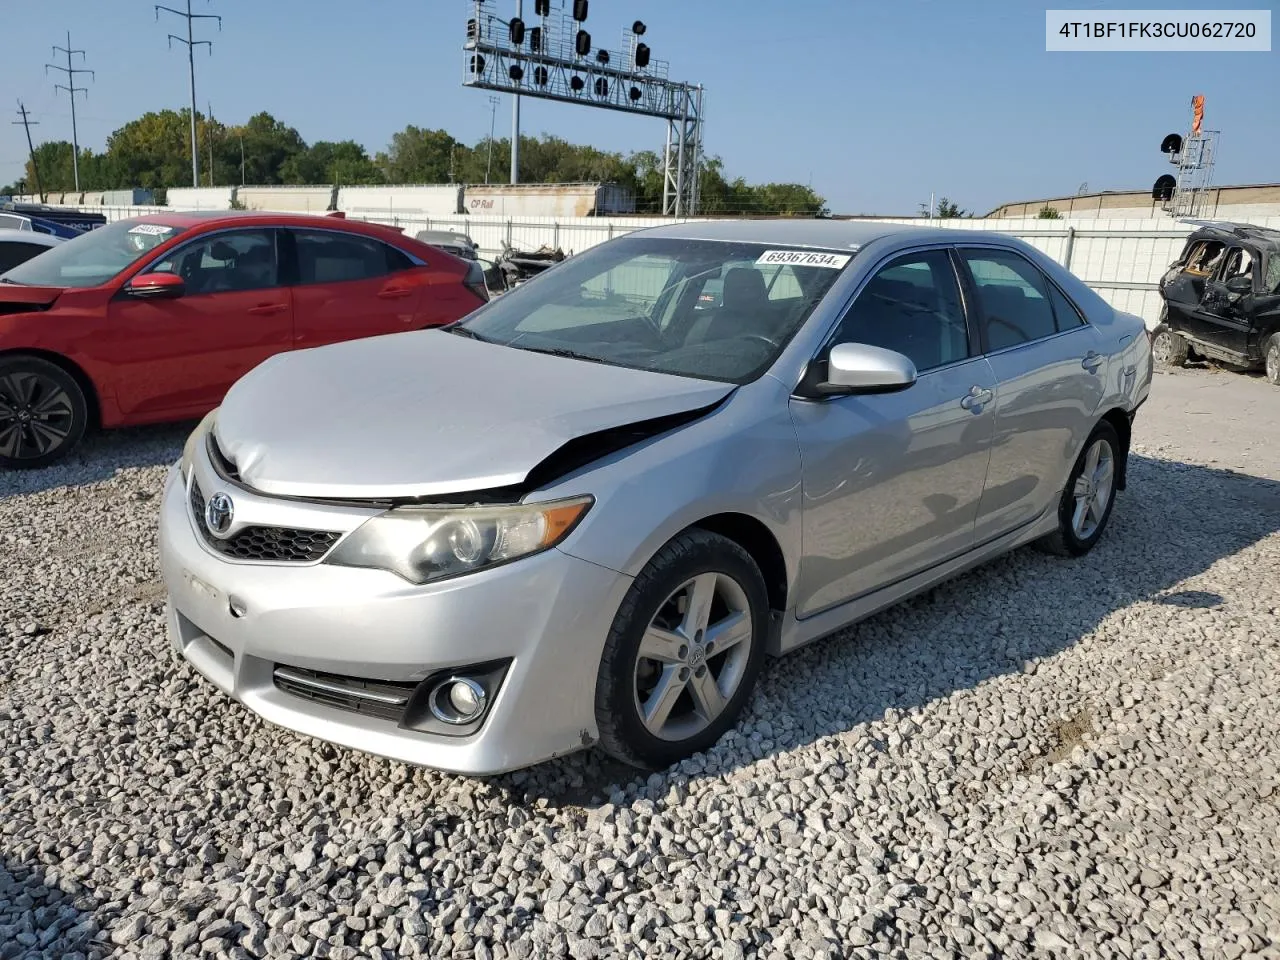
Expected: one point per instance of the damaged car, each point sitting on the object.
(1222, 300)
(590, 511)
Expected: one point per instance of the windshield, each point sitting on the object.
(694, 308)
(92, 258)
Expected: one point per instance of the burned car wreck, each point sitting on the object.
(1222, 300)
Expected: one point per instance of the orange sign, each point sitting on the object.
(1197, 113)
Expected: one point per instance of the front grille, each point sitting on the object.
(371, 698)
(278, 544)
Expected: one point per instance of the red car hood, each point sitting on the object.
(12, 295)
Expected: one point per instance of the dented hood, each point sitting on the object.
(427, 413)
(17, 298)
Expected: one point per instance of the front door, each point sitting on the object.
(892, 481)
(1223, 319)
(179, 357)
(1050, 371)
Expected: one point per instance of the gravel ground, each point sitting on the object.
(1043, 758)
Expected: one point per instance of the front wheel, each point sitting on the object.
(43, 413)
(1168, 349)
(1089, 496)
(683, 653)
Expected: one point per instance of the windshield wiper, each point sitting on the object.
(565, 352)
(465, 332)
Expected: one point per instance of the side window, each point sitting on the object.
(1065, 312)
(911, 305)
(225, 262)
(1203, 258)
(1271, 283)
(784, 285)
(1013, 296)
(12, 254)
(327, 256)
(1238, 263)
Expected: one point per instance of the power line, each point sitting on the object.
(70, 71)
(191, 43)
(27, 124)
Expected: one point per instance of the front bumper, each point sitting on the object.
(548, 615)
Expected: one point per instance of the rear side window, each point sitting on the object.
(331, 257)
(1065, 313)
(1014, 297)
(12, 254)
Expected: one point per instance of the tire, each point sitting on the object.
(43, 412)
(1271, 358)
(1073, 538)
(1168, 349)
(629, 682)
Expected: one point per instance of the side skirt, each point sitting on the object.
(796, 633)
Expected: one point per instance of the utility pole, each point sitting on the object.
(242, 161)
(493, 118)
(191, 43)
(27, 124)
(515, 119)
(209, 137)
(71, 88)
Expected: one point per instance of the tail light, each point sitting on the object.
(474, 280)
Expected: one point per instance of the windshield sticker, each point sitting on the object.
(152, 229)
(804, 258)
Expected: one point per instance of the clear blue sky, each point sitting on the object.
(874, 103)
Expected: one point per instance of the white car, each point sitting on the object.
(19, 246)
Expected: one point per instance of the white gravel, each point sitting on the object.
(1043, 758)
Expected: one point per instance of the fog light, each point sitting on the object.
(458, 700)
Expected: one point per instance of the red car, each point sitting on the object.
(153, 319)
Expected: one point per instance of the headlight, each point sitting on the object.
(197, 436)
(430, 543)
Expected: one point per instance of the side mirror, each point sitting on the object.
(156, 286)
(1239, 284)
(861, 368)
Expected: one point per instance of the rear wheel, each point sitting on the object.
(43, 413)
(1167, 348)
(684, 651)
(1272, 359)
(1089, 496)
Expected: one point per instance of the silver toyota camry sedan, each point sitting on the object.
(586, 513)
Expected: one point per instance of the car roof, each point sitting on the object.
(1228, 231)
(29, 236)
(203, 218)
(829, 234)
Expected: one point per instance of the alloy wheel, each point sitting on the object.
(1162, 348)
(693, 656)
(1273, 364)
(1092, 489)
(36, 415)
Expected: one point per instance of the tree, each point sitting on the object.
(1048, 213)
(950, 211)
(326, 162)
(268, 144)
(416, 155)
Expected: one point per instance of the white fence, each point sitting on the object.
(1121, 259)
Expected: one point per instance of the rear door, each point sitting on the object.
(179, 357)
(347, 285)
(1050, 373)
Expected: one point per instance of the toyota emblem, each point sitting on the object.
(218, 513)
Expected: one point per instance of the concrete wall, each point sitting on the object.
(1121, 259)
(1244, 203)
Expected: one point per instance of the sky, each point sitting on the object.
(874, 104)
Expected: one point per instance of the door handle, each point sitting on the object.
(1092, 361)
(976, 397)
(267, 309)
(395, 293)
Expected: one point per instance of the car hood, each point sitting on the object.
(427, 413)
(15, 298)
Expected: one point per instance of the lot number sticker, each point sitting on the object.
(151, 229)
(803, 258)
